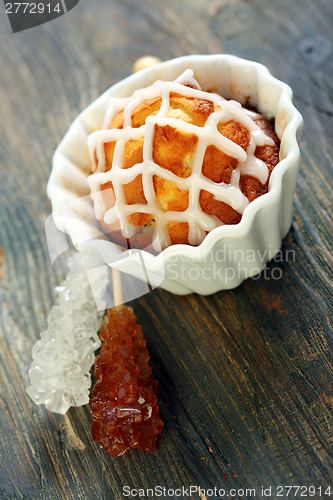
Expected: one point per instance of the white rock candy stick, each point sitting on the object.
(62, 358)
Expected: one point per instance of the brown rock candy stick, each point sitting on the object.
(124, 400)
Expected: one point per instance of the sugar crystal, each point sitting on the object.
(62, 358)
(124, 400)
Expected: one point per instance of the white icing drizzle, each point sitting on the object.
(199, 222)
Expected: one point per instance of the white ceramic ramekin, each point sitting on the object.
(230, 253)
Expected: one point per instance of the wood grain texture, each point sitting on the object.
(245, 376)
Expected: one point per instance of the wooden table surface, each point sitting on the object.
(245, 376)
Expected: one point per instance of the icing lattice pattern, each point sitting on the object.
(199, 222)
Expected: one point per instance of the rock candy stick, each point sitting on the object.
(124, 401)
(62, 358)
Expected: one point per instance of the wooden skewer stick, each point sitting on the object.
(117, 291)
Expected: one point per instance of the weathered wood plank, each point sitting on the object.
(246, 375)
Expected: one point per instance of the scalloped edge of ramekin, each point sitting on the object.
(183, 269)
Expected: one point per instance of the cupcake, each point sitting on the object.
(179, 160)
(179, 136)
